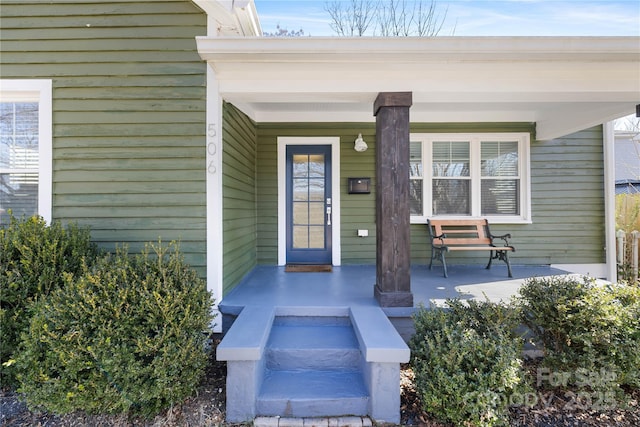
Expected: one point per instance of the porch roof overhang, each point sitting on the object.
(231, 17)
(563, 84)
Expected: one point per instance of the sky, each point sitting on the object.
(481, 17)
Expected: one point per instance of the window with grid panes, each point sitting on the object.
(470, 175)
(25, 163)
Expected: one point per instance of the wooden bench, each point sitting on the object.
(466, 235)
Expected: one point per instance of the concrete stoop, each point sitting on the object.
(313, 363)
(313, 422)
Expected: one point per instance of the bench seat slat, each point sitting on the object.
(463, 241)
(460, 222)
(479, 248)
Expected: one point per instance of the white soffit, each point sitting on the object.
(231, 17)
(564, 84)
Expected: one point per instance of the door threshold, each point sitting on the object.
(308, 268)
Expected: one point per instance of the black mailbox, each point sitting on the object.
(359, 185)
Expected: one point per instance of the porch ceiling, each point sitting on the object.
(563, 84)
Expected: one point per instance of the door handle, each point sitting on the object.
(328, 215)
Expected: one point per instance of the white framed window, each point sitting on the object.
(25, 148)
(483, 175)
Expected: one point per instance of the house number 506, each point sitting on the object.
(212, 148)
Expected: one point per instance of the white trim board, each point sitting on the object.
(41, 91)
(283, 142)
(214, 195)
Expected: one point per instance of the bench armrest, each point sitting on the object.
(504, 237)
(441, 237)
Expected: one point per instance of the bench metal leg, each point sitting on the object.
(506, 259)
(433, 255)
(502, 256)
(444, 263)
(439, 253)
(491, 256)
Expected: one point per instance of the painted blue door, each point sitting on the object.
(308, 204)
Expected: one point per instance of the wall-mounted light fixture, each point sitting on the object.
(359, 144)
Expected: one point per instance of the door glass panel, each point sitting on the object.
(316, 237)
(316, 189)
(316, 213)
(300, 165)
(300, 236)
(300, 189)
(300, 213)
(316, 165)
(308, 201)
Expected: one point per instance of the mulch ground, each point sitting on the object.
(545, 408)
(206, 408)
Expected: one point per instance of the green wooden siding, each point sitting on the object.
(239, 200)
(567, 198)
(567, 189)
(128, 114)
(566, 181)
(358, 211)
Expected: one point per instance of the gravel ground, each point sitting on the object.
(207, 409)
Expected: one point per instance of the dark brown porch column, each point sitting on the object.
(393, 278)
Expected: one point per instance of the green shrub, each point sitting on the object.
(33, 260)
(466, 361)
(127, 336)
(590, 332)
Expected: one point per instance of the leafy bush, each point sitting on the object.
(466, 361)
(590, 332)
(33, 260)
(127, 336)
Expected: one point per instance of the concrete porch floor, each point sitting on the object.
(352, 285)
(317, 368)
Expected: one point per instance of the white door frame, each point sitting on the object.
(283, 142)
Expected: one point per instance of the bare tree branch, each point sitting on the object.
(338, 18)
(352, 18)
(386, 17)
(428, 23)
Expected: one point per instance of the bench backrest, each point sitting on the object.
(460, 231)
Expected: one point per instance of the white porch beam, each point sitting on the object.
(421, 49)
(583, 80)
(564, 84)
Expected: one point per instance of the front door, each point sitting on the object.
(308, 204)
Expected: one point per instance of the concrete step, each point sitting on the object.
(294, 389)
(309, 393)
(297, 346)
